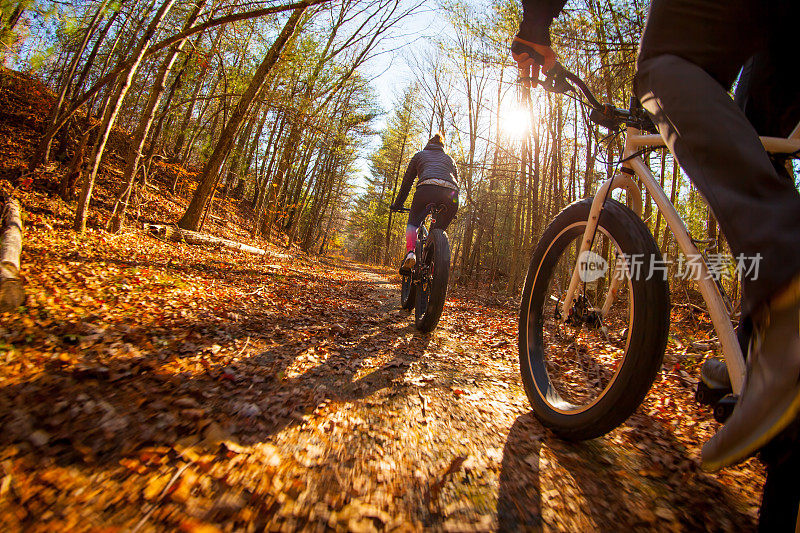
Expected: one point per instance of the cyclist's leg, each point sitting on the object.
(416, 215)
(769, 88)
(690, 53)
(769, 94)
(781, 497)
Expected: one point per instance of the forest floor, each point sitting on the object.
(150, 385)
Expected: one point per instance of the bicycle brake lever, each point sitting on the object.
(555, 85)
(543, 83)
(555, 80)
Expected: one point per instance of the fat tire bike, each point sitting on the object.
(594, 312)
(424, 287)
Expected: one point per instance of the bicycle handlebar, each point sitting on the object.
(561, 77)
(557, 80)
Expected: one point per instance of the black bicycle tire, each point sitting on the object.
(648, 331)
(437, 250)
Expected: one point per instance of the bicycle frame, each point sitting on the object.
(634, 141)
(422, 230)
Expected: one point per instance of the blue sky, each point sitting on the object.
(390, 71)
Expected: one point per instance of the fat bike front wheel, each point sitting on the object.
(586, 373)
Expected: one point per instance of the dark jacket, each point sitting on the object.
(537, 16)
(429, 163)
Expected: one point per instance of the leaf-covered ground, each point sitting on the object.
(153, 386)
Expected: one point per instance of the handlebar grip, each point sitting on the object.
(537, 57)
(555, 70)
(519, 47)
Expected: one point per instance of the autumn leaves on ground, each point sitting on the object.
(149, 385)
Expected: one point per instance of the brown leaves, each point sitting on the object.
(452, 468)
(197, 390)
(155, 486)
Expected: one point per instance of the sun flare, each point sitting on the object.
(515, 122)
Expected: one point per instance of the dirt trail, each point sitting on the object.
(158, 385)
(154, 386)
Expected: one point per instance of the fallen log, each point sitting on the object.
(172, 233)
(12, 293)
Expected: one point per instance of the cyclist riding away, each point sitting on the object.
(437, 184)
(690, 54)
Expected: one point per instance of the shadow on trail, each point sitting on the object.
(597, 485)
(519, 498)
(106, 406)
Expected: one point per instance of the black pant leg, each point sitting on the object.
(771, 100)
(689, 57)
(426, 195)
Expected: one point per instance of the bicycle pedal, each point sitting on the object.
(706, 395)
(724, 407)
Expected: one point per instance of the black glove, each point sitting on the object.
(395, 207)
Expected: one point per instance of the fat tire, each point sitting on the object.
(648, 330)
(436, 253)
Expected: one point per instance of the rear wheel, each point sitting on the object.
(585, 375)
(432, 286)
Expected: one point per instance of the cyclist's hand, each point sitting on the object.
(529, 57)
(394, 207)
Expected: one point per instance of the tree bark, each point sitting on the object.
(67, 185)
(193, 237)
(178, 146)
(111, 115)
(210, 174)
(146, 121)
(127, 64)
(12, 294)
(67, 85)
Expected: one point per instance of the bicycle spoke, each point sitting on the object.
(583, 353)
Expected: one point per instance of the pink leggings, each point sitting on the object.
(411, 237)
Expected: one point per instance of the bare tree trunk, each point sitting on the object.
(178, 146)
(55, 112)
(127, 64)
(111, 115)
(514, 274)
(187, 153)
(140, 135)
(394, 194)
(91, 102)
(165, 106)
(210, 174)
(676, 178)
(657, 228)
(193, 237)
(67, 185)
(14, 17)
(93, 54)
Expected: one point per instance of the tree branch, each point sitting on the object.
(177, 38)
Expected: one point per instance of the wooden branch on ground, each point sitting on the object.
(12, 294)
(192, 237)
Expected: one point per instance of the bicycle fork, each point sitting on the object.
(708, 287)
